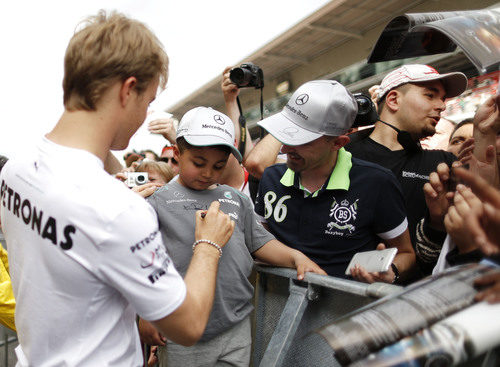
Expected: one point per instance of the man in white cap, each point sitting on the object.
(410, 102)
(323, 202)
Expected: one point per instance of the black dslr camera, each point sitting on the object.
(367, 113)
(247, 75)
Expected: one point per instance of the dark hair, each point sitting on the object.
(132, 156)
(182, 144)
(459, 125)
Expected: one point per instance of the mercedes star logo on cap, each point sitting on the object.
(290, 131)
(302, 99)
(219, 119)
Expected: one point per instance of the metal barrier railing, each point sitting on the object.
(287, 312)
(8, 343)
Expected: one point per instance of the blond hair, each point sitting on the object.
(162, 168)
(106, 50)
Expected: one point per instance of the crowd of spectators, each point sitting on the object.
(324, 194)
(434, 211)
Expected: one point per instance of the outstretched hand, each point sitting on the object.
(438, 196)
(164, 127)
(487, 117)
(490, 283)
(466, 151)
(487, 168)
(483, 225)
(464, 202)
(303, 264)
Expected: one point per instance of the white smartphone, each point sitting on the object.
(371, 261)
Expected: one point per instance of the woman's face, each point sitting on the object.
(459, 136)
(155, 177)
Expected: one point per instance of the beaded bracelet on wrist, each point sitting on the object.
(210, 243)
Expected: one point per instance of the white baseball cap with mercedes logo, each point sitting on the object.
(204, 126)
(317, 108)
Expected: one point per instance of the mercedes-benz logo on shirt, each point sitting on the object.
(302, 99)
(219, 119)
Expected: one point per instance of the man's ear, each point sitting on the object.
(128, 86)
(393, 100)
(340, 142)
(177, 152)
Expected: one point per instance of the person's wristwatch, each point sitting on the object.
(396, 273)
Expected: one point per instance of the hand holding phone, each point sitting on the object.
(373, 261)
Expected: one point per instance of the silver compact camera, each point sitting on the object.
(136, 179)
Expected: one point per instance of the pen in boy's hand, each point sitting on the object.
(203, 214)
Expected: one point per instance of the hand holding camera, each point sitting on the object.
(229, 89)
(136, 179)
(247, 75)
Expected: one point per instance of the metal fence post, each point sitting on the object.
(6, 348)
(287, 325)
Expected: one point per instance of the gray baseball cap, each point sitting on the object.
(317, 108)
(204, 127)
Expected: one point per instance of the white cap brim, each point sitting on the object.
(454, 84)
(287, 132)
(207, 141)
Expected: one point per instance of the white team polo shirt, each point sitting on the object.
(85, 256)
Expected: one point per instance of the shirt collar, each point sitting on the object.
(338, 180)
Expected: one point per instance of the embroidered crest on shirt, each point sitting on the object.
(343, 216)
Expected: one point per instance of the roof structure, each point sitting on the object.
(330, 33)
(336, 23)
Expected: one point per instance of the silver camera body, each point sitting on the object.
(136, 178)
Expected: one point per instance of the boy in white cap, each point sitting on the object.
(205, 138)
(323, 202)
(410, 102)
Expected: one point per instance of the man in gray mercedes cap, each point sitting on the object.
(322, 201)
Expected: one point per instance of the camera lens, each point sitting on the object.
(367, 113)
(364, 104)
(241, 77)
(140, 179)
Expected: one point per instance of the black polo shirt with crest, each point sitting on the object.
(359, 205)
